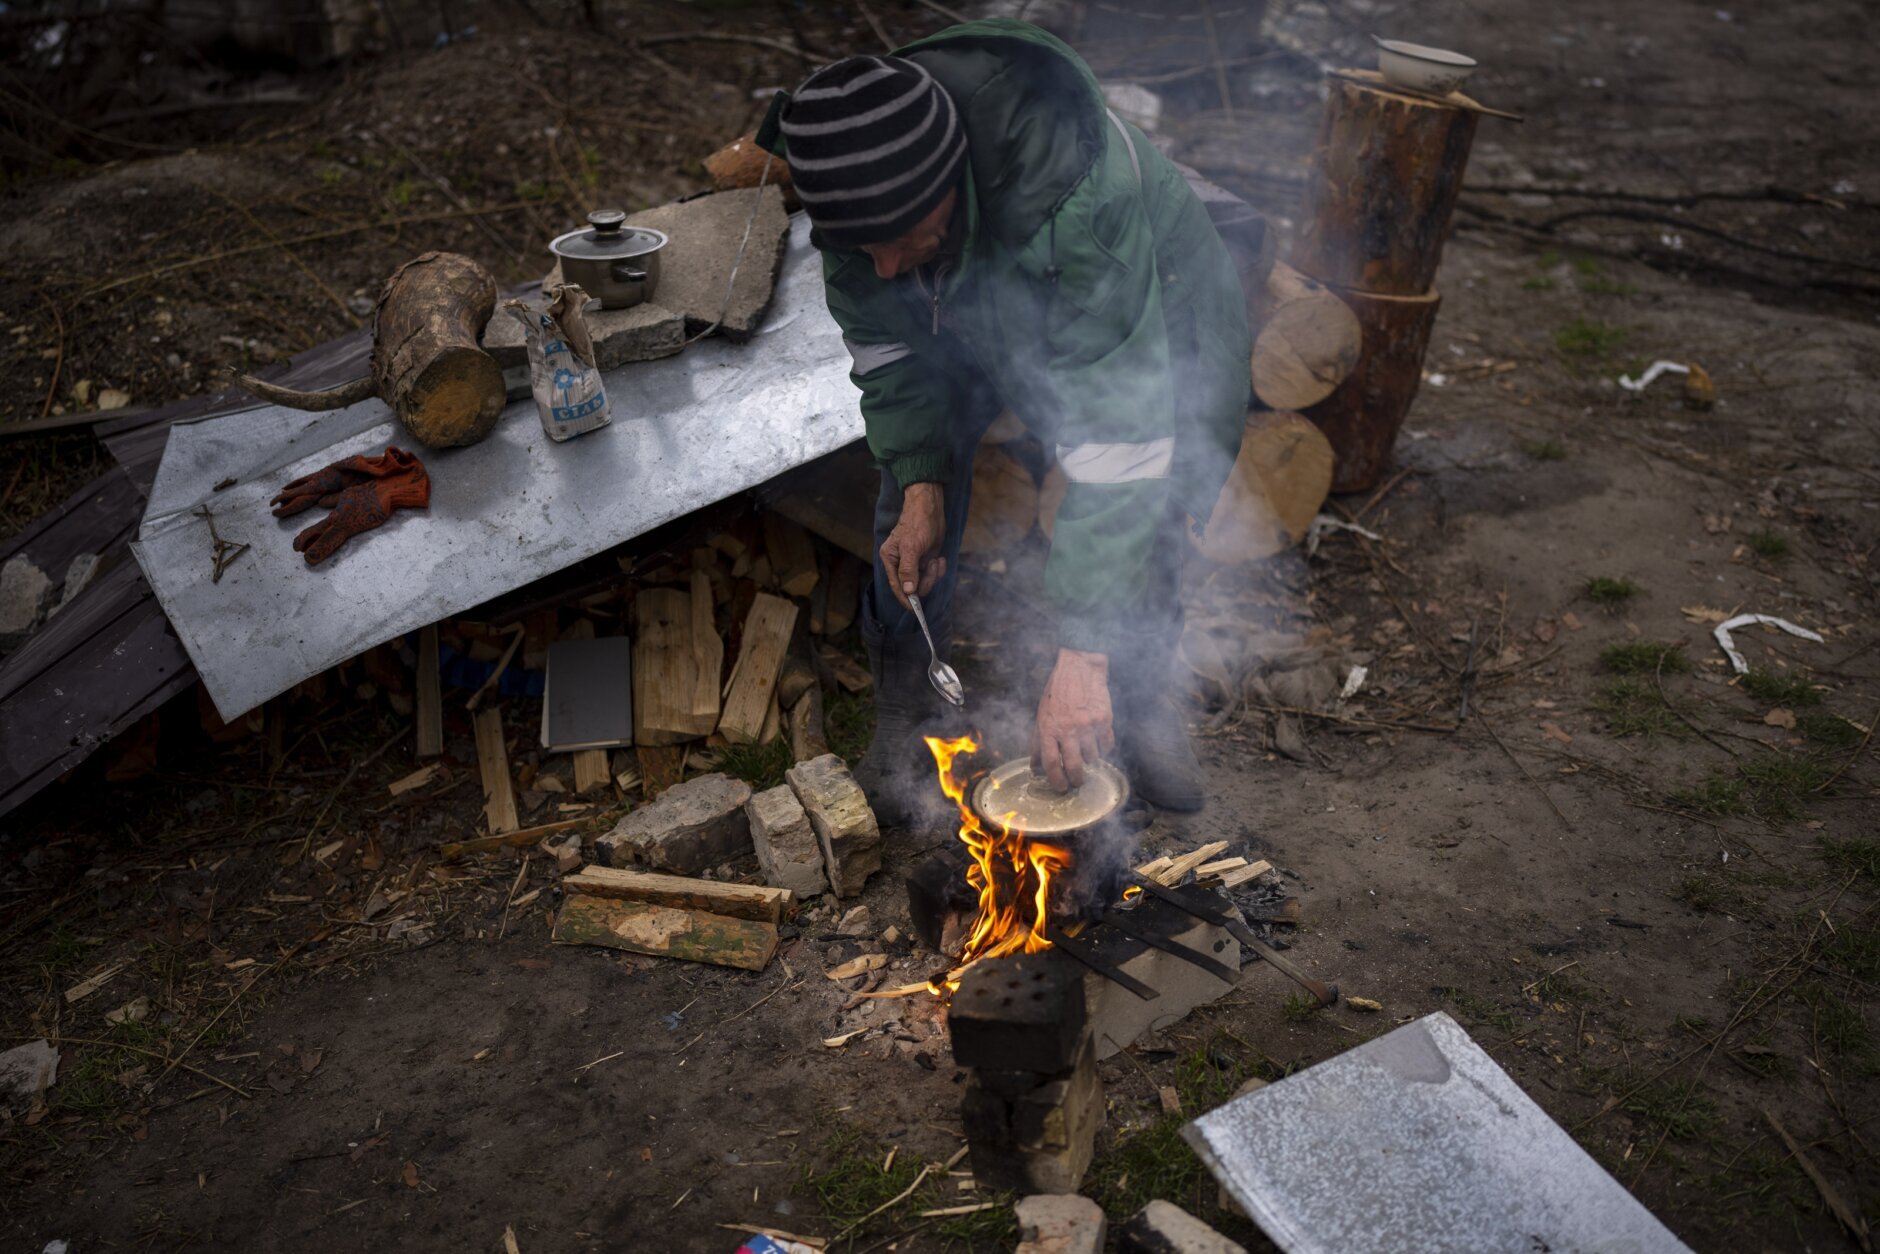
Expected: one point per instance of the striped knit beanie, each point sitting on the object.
(875, 143)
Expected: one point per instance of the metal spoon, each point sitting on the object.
(942, 676)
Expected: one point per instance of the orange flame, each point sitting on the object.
(1009, 871)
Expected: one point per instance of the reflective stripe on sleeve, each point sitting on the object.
(872, 357)
(1117, 463)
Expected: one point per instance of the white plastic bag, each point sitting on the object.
(569, 395)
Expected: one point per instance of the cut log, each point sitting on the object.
(1279, 481)
(845, 593)
(740, 163)
(1306, 340)
(772, 729)
(1004, 504)
(792, 556)
(846, 671)
(1385, 172)
(665, 932)
(1362, 417)
(806, 727)
(590, 769)
(499, 797)
(796, 678)
(833, 496)
(666, 666)
(426, 365)
(430, 696)
(759, 903)
(765, 640)
(708, 651)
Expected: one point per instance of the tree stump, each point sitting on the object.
(1361, 418)
(1386, 171)
(425, 360)
(1306, 340)
(1273, 493)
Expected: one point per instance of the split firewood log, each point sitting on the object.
(1273, 493)
(425, 361)
(1306, 340)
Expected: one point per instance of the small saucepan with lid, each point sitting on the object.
(1087, 821)
(611, 260)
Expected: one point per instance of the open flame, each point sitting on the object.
(1011, 872)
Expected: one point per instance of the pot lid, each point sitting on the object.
(608, 238)
(1038, 809)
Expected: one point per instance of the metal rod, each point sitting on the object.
(1213, 966)
(1325, 993)
(1078, 951)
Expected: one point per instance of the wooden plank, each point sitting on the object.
(499, 797)
(452, 850)
(590, 769)
(708, 651)
(429, 696)
(1253, 870)
(1220, 868)
(666, 677)
(845, 593)
(758, 902)
(748, 696)
(792, 556)
(1178, 868)
(665, 932)
(417, 779)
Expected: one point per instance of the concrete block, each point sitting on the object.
(1165, 1228)
(642, 333)
(1059, 1223)
(1019, 1013)
(24, 591)
(845, 826)
(704, 235)
(787, 848)
(694, 825)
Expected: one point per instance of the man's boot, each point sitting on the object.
(1152, 740)
(898, 773)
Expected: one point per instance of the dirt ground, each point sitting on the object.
(1646, 886)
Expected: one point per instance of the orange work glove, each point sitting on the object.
(363, 506)
(324, 485)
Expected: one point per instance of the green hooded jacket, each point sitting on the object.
(1085, 260)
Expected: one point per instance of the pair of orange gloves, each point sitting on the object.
(361, 491)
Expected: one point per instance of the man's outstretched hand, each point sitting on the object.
(1074, 727)
(911, 553)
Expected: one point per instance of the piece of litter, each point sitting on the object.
(1353, 682)
(837, 1042)
(28, 1070)
(1324, 523)
(509, 1240)
(858, 966)
(1780, 717)
(1365, 1004)
(1728, 645)
(85, 988)
(1652, 372)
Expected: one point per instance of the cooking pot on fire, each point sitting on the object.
(611, 260)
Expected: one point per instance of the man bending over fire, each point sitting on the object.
(993, 236)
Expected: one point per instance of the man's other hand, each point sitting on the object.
(911, 553)
(1074, 727)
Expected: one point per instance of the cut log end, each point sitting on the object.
(1275, 490)
(455, 400)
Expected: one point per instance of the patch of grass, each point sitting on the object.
(1788, 690)
(1772, 786)
(1644, 657)
(1770, 1066)
(533, 189)
(1854, 950)
(403, 191)
(1600, 285)
(1298, 1008)
(995, 1229)
(849, 724)
(1479, 1010)
(1677, 1107)
(1539, 283)
(1857, 856)
(332, 174)
(1609, 592)
(1767, 544)
(1827, 729)
(1586, 338)
(1761, 1182)
(853, 1184)
(1837, 1024)
(1545, 450)
(1706, 894)
(1633, 708)
(1718, 794)
(760, 766)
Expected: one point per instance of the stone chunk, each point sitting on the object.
(693, 825)
(1059, 1223)
(1165, 1228)
(704, 235)
(642, 333)
(24, 591)
(845, 826)
(787, 848)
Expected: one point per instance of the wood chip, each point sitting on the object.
(837, 1042)
(417, 779)
(972, 1209)
(1170, 1099)
(509, 1240)
(1365, 1004)
(85, 988)
(1252, 871)
(1553, 731)
(1217, 868)
(858, 966)
(1780, 717)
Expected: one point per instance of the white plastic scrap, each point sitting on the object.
(1353, 682)
(1657, 368)
(1324, 523)
(1728, 645)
